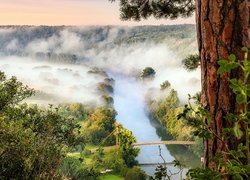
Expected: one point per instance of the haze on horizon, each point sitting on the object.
(70, 12)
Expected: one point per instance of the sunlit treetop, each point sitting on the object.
(143, 9)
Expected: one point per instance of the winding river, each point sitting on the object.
(129, 103)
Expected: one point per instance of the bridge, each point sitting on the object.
(156, 164)
(164, 142)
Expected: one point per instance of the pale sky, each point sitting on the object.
(69, 12)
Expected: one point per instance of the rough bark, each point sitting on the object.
(222, 28)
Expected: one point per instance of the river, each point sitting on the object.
(130, 106)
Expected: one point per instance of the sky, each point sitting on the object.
(69, 12)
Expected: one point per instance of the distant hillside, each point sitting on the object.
(69, 43)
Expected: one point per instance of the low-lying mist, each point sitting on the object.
(56, 82)
(56, 60)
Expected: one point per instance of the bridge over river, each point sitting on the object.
(164, 142)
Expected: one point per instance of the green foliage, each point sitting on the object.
(36, 142)
(165, 85)
(138, 10)
(33, 142)
(74, 169)
(77, 111)
(162, 171)
(202, 174)
(105, 88)
(148, 72)
(193, 116)
(116, 158)
(113, 160)
(125, 140)
(99, 125)
(166, 111)
(135, 174)
(233, 161)
(109, 101)
(12, 91)
(15, 146)
(191, 62)
(110, 177)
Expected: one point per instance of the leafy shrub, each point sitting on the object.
(135, 174)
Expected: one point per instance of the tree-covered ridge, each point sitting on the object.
(17, 40)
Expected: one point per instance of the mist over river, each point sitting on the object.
(129, 102)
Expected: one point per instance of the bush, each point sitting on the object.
(148, 72)
(115, 162)
(73, 168)
(135, 174)
(191, 62)
(86, 152)
(165, 85)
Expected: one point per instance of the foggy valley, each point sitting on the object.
(86, 71)
(56, 60)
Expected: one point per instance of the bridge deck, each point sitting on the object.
(165, 142)
(155, 164)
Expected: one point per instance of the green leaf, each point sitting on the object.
(222, 62)
(237, 177)
(220, 70)
(248, 90)
(247, 66)
(235, 85)
(240, 99)
(237, 131)
(247, 167)
(225, 66)
(236, 169)
(233, 65)
(232, 57)
(234, 81)
(245, 49)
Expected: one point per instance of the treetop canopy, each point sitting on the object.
(143, 9)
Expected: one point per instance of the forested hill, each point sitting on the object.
(69, 42)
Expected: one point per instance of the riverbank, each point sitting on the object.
(130, 107)
(183, 153)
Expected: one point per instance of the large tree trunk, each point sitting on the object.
(222, 28)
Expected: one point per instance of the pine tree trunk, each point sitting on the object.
(222, 28)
